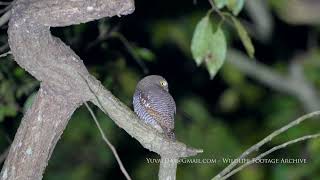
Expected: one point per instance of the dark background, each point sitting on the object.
(224, 116)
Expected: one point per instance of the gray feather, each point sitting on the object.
(154, 105)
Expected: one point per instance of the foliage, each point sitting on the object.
(211, 47)
(208, 46)
(224, 116)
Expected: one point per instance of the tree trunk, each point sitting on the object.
(65, 84)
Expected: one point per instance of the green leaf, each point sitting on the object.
(235, 6)
(201, 40)
(217, 52)
(19, 72)
(145, 54)
(245, 38)
(229, 100)
(7, 111)
(220, 3)
(209, 47)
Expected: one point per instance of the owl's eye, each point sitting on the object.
(163, 83)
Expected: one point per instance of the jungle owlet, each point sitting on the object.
(153, 104)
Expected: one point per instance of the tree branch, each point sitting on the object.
(5, 54)
(5, 17)
(113, 149)
(168, 168)
(267, 139)
(128, 120)
(289, 84)
(65, 84)
(303, 138)
(37, 135)
(260, 14)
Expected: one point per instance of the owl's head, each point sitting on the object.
(154, 81)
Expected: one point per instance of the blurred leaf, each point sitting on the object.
(235, 6)
(311, 64)
(2, 113)
(10, 110)
(245, 38)
(144, 170)
(220, 3)
(82, 172)
(144, 53)
(229, 100)
(281, 172)
(252, 172)
(79, 29)
(201, 40)
(176, 32)
(250, 93)
(217, 52)
(280, 111)
(19, 72)
(205, 131)
(314, 147)
(127, 80)
(26, 88)
(291, 171)
(7, 111)
(233, 76)
(194, 107)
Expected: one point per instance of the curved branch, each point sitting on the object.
(289, 84)
(148, 138)
(65, 84)
(37, 135)
(5, 18)
(281, 146)
(129, 121)
(265, 140)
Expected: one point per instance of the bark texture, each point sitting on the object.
(65, 84)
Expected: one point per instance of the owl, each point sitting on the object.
(154, 105)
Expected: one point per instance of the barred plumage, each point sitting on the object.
(153, 104)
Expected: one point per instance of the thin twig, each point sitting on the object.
(214, 8)
(115, 34)
(312, 136)
(4, 3)
(131, 50)
(113, 149)
(262, 22)
(5, 17)
(222, 15)
(5, 54)
(7, 7)
(265, 140)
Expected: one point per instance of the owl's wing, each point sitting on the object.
(161, 106)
